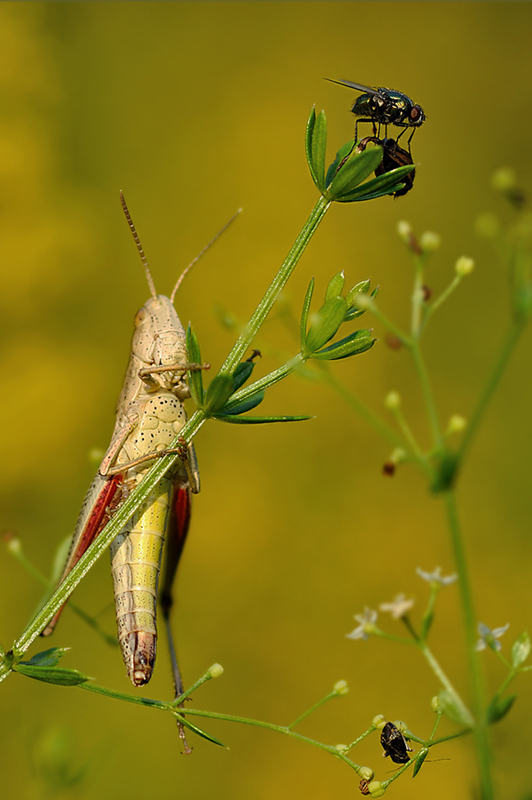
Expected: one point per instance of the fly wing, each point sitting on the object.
(94, 515)
(358, 86)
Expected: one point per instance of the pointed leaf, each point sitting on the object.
(325, 324)
(520, 650)
(355, 170)
(246, 405)
(195, 377)
(336, 284)
(498, 709)
(242, 374)
(257, 420)
(194, 728)
(315, 146)
(304, 314)
(387, 183)
(355, 343)
(57, 675)
(352, 311)
(454, 709)
(419, 761)
(219, 391)
(47, 658)
(342, 153)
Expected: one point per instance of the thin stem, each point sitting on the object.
(313, 708)
(508, 345)
(439, 301)
(276, 286)
(117, 523)
(475, 673)
(427, 391)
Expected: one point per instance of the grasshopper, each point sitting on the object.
(150, 412)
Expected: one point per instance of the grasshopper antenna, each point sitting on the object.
(187, 269)
(139, 245)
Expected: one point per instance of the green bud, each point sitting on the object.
(366, 773)
(340, 747)
(401, 725)
(341, 687)
(13, 543)
(404, 229)
(456, 424)
(216, 670)
(375, 789)
(435, 704)
(398, 456)
(379, 721)
(392, 401)
(430, 242)
(503, 179)
(464, 266)
(362, 301)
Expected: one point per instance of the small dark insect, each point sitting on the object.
(363, 786)
(393, 157)
(383, 106)
(395, 744)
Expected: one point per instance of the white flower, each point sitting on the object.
(398, 607)
(436, 577)
(488, 637)
(367, 624)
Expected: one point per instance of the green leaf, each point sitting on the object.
(242, 374)
(520, 650)
(419, 761)
(453, 708)
(498, 709)
(257, 420)
(47, 658)
(195, 377)
(355, 170)
(352, 345)
(245, 405)
(361, 288)
(304, 314)
(57, 675)
(325, 324)
(194, 728)
(336, 284)
(315, 146)
(387, 183)
(219, 391)
(342, 153)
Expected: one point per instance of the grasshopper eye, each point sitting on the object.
(140, 316)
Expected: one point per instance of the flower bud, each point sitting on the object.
(379, 721)
(487, 226)
(464, 266)
(503, 179)
(341, 687)
(392, 400)
(375, 789)
(404, 229)
(216, 670)
(430, 242)
(366, 773)
(456, 424)
(362, 301)
(435, 704)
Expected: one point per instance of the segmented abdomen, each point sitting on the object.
(135, 562)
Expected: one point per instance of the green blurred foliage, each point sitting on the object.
(196, 109)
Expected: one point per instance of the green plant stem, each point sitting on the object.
(439, 301)
(313, 708)
(119, 520)
(276, 286)
(475, 673)
(508, 345)
(169, 707)
(427, 391)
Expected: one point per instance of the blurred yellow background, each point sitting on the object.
(196, 109)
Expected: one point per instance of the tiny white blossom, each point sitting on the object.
(488, 637)
(436, 577)
(398, 607)
(367, 623)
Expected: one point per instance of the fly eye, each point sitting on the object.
(140, 316)
(416, 114)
